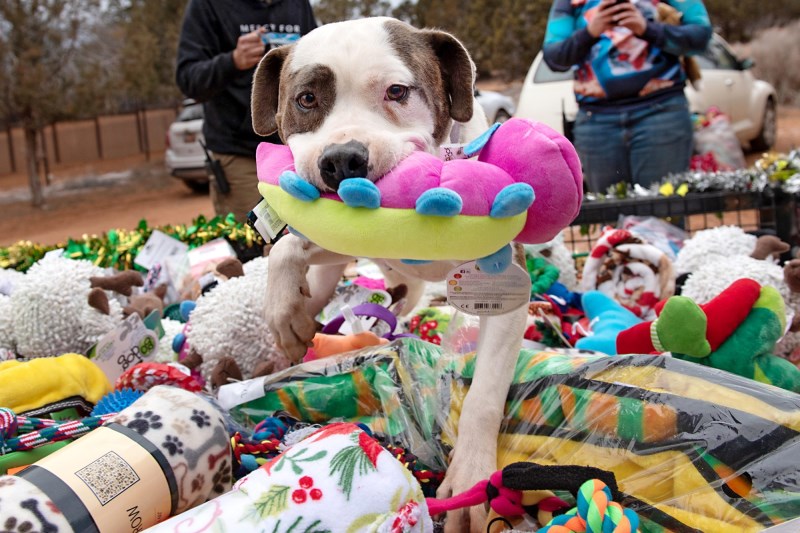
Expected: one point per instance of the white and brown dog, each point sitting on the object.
(352, 99)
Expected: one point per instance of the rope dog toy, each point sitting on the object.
(596, 511)
(45, 432)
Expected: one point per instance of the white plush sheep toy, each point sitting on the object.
(226, 336)
(715, 258)
(62, 306)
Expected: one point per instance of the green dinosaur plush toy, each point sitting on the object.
(736, 331)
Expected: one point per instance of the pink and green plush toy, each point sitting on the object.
(525, 185)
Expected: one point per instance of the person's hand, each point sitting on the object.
(628, 16)
(249, 50)
(610, 14)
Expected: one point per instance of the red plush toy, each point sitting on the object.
(680, 322)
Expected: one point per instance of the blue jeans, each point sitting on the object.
(640, 146)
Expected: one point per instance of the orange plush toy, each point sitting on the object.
(326, 345)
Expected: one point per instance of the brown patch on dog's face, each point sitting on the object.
(264, 96)
(442, 69)
(316, 80)
(377, 82)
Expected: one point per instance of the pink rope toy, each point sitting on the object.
(504, 489)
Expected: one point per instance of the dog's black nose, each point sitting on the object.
(341, 161)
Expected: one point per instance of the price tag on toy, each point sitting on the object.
(477, 293)
(127, 345)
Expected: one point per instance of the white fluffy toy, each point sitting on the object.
(716, 244)
(227, 332)
(714, 266)
(62, 306)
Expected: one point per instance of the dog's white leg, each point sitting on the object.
(291, 299)
(322, 282)
(475, 455)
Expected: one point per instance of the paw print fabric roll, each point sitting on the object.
(166, 453)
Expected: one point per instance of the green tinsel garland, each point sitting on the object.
(118, 247)
(772, 171)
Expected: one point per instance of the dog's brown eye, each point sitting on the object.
(307, 101)
(397, 93)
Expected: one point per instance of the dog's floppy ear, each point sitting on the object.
(458, 72)
(264, 98)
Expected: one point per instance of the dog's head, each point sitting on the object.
(352, 99)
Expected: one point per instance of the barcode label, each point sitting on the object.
(480, 294)
(266, 221)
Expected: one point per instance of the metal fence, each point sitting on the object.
(759, 212)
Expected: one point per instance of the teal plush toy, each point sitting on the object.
(607, 318)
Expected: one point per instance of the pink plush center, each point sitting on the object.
(476, 182)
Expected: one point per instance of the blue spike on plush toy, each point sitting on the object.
(479, 142)
(608, 318)
(116, 401)
(177, 342)
(360, 192)
(186, 308)
(512, 200)
(439, 202)
(497, 262)
(298, 187)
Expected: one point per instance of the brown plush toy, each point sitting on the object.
(146, 303)
(669, 15)
(121, 283)
(769, 246)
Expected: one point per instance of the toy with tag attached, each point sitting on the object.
(63, 305)
(525, 185)
(219, 339)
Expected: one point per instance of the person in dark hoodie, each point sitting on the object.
(633, 121)
(221, 43)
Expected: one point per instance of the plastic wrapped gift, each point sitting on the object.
(692, 448)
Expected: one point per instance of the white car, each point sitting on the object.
(184, 157)
(497, 106)
(727, 83)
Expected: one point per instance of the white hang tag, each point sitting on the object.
(158, 247)
(127, 345)
(477, 293)
(233, 394)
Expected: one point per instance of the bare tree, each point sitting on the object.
(38, 39)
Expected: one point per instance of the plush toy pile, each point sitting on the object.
(157, 394)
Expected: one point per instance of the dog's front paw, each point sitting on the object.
(291, 325)
(464, 472)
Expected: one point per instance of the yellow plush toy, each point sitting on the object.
(45, 385)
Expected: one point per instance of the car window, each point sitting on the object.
(544, 74)
(716, 57)
(192, 112)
